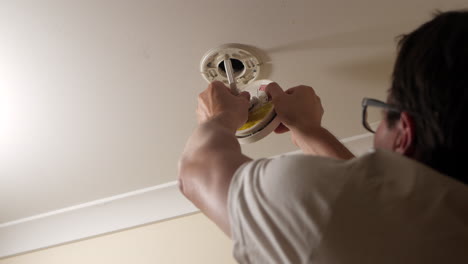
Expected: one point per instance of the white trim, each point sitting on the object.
(110, 214)
(95, 218)
(89, 204)
(355, 138)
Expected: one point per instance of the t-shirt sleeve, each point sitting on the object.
(278, 208)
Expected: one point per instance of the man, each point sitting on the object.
(404, 203)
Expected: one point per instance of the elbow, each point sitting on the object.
(186, 177)
(182, 175)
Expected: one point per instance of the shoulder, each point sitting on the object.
(288, 173)
(302, 200)
(388, 166)
(282, 199)
(296, 172)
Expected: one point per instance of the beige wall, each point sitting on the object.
(189, 239)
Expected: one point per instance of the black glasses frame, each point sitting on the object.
(375, 103)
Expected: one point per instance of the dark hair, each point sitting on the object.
(430, 78)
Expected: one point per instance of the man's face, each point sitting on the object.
(385, 136)
(397, 138)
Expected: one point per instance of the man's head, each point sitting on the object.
(430, 86)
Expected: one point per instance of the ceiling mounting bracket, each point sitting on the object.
(246, 64)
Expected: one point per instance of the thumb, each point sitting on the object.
(274, 90)
(281, 129)
(245, 95)
(218, 85)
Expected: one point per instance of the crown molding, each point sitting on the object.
(95, 218)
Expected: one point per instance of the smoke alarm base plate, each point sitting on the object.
(248, 64)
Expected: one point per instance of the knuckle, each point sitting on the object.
(200, 98)
(277, 100)
(307, 89)
(204, 92)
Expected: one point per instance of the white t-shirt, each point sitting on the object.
(380, 208)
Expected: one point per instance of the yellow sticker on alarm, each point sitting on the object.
(257, 115)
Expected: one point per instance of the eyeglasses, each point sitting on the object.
(373, 111)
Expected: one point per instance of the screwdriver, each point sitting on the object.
(230, 75)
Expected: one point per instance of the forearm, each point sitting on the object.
(207, 137)
(210, 158)
(321, 142)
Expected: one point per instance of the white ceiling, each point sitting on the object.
(97, 97)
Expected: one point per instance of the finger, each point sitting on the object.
(198, 115)
(292, 90)
(274, 90)
(217, 83)
(219, 86)
(281, 129)
(300, 88)
(245, 95)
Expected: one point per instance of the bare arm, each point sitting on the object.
(213, 154)
(300, 112)
(321, 142)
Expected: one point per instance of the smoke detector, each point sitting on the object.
(245, 63)
(246, 67)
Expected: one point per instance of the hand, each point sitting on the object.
(299, 108)
(217, 101)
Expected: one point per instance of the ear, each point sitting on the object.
(404, 142)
